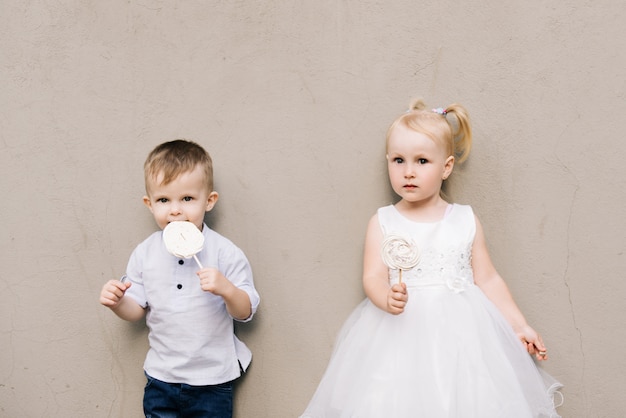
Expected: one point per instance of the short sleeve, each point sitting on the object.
(235, 267)
(134, 274)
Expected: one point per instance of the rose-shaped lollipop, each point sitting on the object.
(183, 239)
(399, 253)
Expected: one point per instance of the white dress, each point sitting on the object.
(449, 354)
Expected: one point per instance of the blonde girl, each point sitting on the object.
(439, 334)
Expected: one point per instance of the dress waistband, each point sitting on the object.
(455, 284)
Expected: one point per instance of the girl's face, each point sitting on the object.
(185, 198)
(417, 165)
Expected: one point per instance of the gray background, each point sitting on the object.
(292, 99)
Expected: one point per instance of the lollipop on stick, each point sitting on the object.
(183, 239)
(399, 253)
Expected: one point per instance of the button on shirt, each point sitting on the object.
(191, 333)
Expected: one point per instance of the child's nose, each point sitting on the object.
(175, 209)
(409, 171)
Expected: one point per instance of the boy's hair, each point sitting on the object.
(449, 127)
(173, 158)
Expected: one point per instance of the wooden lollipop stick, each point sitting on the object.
(400, 276)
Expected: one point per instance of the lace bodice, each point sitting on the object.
(444, 246)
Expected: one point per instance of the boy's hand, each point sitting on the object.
(112, 293)
(397, 298)
(237, 301)
(211, 280)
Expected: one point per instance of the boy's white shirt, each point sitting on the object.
(191, 334)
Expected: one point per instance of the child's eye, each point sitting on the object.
(187, 198)
(422, 161)
(162, 200)
(398, 160)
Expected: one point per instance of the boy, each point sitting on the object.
(194, 355)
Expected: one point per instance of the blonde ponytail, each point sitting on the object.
(462, 132)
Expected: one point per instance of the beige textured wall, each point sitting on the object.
(292, 98)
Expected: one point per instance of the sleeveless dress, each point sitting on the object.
(449, 354)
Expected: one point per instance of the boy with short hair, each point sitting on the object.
(194, 355)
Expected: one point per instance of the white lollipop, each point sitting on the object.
(183, 239)
(399, 253)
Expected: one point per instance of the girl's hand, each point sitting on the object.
(533, 343)
(112, 293)
(211, 280)
(397, 298)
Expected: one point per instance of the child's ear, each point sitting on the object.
(211, 200)
(447, 167)
(147, 202)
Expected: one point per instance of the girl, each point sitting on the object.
(439, 334)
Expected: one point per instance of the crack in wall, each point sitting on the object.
(567, 284)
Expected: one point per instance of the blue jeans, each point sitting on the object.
(178, 400)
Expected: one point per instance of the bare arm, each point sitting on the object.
(237, 301)
(112, 296)
(494, 287)
(391, 299)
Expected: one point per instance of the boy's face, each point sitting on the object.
(185, 198)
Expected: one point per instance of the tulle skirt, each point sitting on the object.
(448, 355)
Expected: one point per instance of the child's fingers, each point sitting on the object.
(540, 350)
(536, 343)
(399, 288)
(118, 287)
(535, 346)
(109, 297)
(396, 307)
(397, 299)
(401, 294)
(113, 291)
(207, 270)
